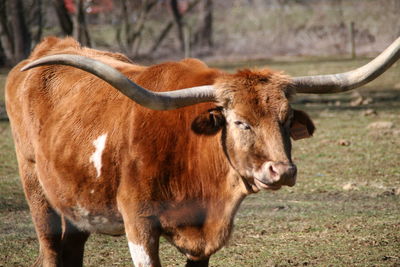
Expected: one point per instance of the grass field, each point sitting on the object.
(344, 210)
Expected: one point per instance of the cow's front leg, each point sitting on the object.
(143, 236)
(143, 240)
(143, 255)
(198, 263)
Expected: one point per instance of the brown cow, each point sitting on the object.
(93, 160)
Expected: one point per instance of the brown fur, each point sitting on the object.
(177, 173)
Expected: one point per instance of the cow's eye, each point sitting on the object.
(242, 125)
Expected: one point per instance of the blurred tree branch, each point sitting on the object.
(168, 26)
(129, 36)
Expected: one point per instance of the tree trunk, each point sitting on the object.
(5, 35)
(21, 34)
(2, 56)
(123, 28)
(36, 20)
(205, 33)
(63, 17)
(17, 26)
(178, 22)
(81, 32)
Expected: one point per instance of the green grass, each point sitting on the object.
(315, 223)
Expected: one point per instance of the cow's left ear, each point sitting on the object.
(209, 122)
(302, 126)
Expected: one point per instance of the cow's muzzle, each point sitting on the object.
(273, 175)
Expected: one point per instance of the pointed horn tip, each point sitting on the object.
(30, 66)
(48, 60)
(24, 68)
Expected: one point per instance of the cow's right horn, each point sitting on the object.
(342, 82)
(153, 100)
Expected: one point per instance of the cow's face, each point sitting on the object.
(256, 122)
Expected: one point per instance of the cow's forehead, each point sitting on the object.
(255, 93)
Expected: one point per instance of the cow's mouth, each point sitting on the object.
(262, 185)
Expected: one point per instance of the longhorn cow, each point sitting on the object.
(166, 150)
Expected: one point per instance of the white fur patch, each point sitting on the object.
(81, 211)
(139, 255)
(99, 223)
(99, 144)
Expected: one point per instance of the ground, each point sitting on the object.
(343, 211)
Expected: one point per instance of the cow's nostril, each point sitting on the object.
(274, 173)
(272, 170)
(281, 172)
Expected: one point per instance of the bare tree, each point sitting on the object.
(6, 38)
(63, 16)
(15, 36)
(168, 26)
(204, 35)
(36, 19)
(178, 21)
(22, 36)
(129, 33)
(81, 32)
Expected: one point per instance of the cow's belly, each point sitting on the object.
(88, 212)
(92, 214)
(110, 223)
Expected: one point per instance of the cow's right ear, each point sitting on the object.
(302, 126)
(209, 122)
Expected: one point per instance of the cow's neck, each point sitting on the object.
(203, 214)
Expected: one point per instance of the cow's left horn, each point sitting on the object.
(341, 82)
(153, 100)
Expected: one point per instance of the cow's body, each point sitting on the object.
(92, 160)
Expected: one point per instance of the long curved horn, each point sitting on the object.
(341, 82)
(153, 100)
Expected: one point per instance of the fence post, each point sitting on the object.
(187, 37)
(352, 40)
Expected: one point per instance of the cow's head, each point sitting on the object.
(257, 121)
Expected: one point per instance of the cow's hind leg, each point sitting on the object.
(73, 244)
(46, 221)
